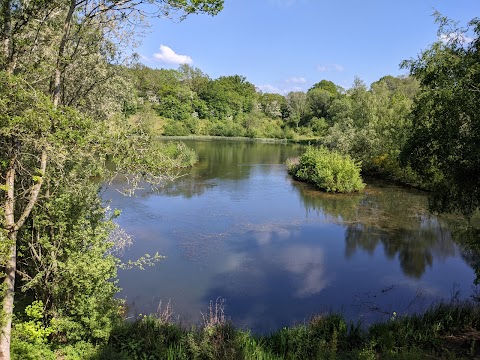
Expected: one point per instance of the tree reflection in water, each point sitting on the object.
(468, 236)
(394, 218)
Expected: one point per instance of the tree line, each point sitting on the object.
(420, 129)
(370, 124)
(191, 103)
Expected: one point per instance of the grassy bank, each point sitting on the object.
(301, 141)
(230, 138)
(446, 331)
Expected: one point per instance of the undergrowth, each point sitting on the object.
(446, 331)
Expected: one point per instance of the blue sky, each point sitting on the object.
(286, 45)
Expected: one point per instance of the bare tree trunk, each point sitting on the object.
(9, 283)
(10, 267)
(13, 227)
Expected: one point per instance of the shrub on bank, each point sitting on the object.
(327, 170)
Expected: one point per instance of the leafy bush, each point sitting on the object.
(329, 171)
(226, 128)
(23, 350)
(183, 155)
(33, 330)
(175, 128)
(30, 337)
(83, 350)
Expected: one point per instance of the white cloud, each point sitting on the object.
(270, 89)
(455, 37)
(296, 80)
(284, 87)
(330, 67)
(309, 265)
(168, 56)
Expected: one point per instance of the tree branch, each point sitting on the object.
(35, 190)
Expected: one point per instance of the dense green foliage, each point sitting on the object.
(445, 143)
(370, 125)
(62, 95)
(65, 247)
(327, 170)
(188, 102)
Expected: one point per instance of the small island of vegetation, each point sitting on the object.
(327, 170)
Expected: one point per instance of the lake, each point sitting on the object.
(237, 227)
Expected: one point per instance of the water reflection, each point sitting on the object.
(385, 216)
(227, 161)
(308, 266)
(415, 249)
(468, 236)
(271, 284)
(278, 251)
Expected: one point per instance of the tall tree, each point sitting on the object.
(329, 86)
(25, 124)
(372, 125)
(297, 106)
(45, 43)
(444, 144)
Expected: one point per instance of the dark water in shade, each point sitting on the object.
(238, 227)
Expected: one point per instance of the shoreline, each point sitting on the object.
(238, 138)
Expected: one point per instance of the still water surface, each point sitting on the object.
(239, 228)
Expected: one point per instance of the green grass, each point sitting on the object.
(446, 331)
